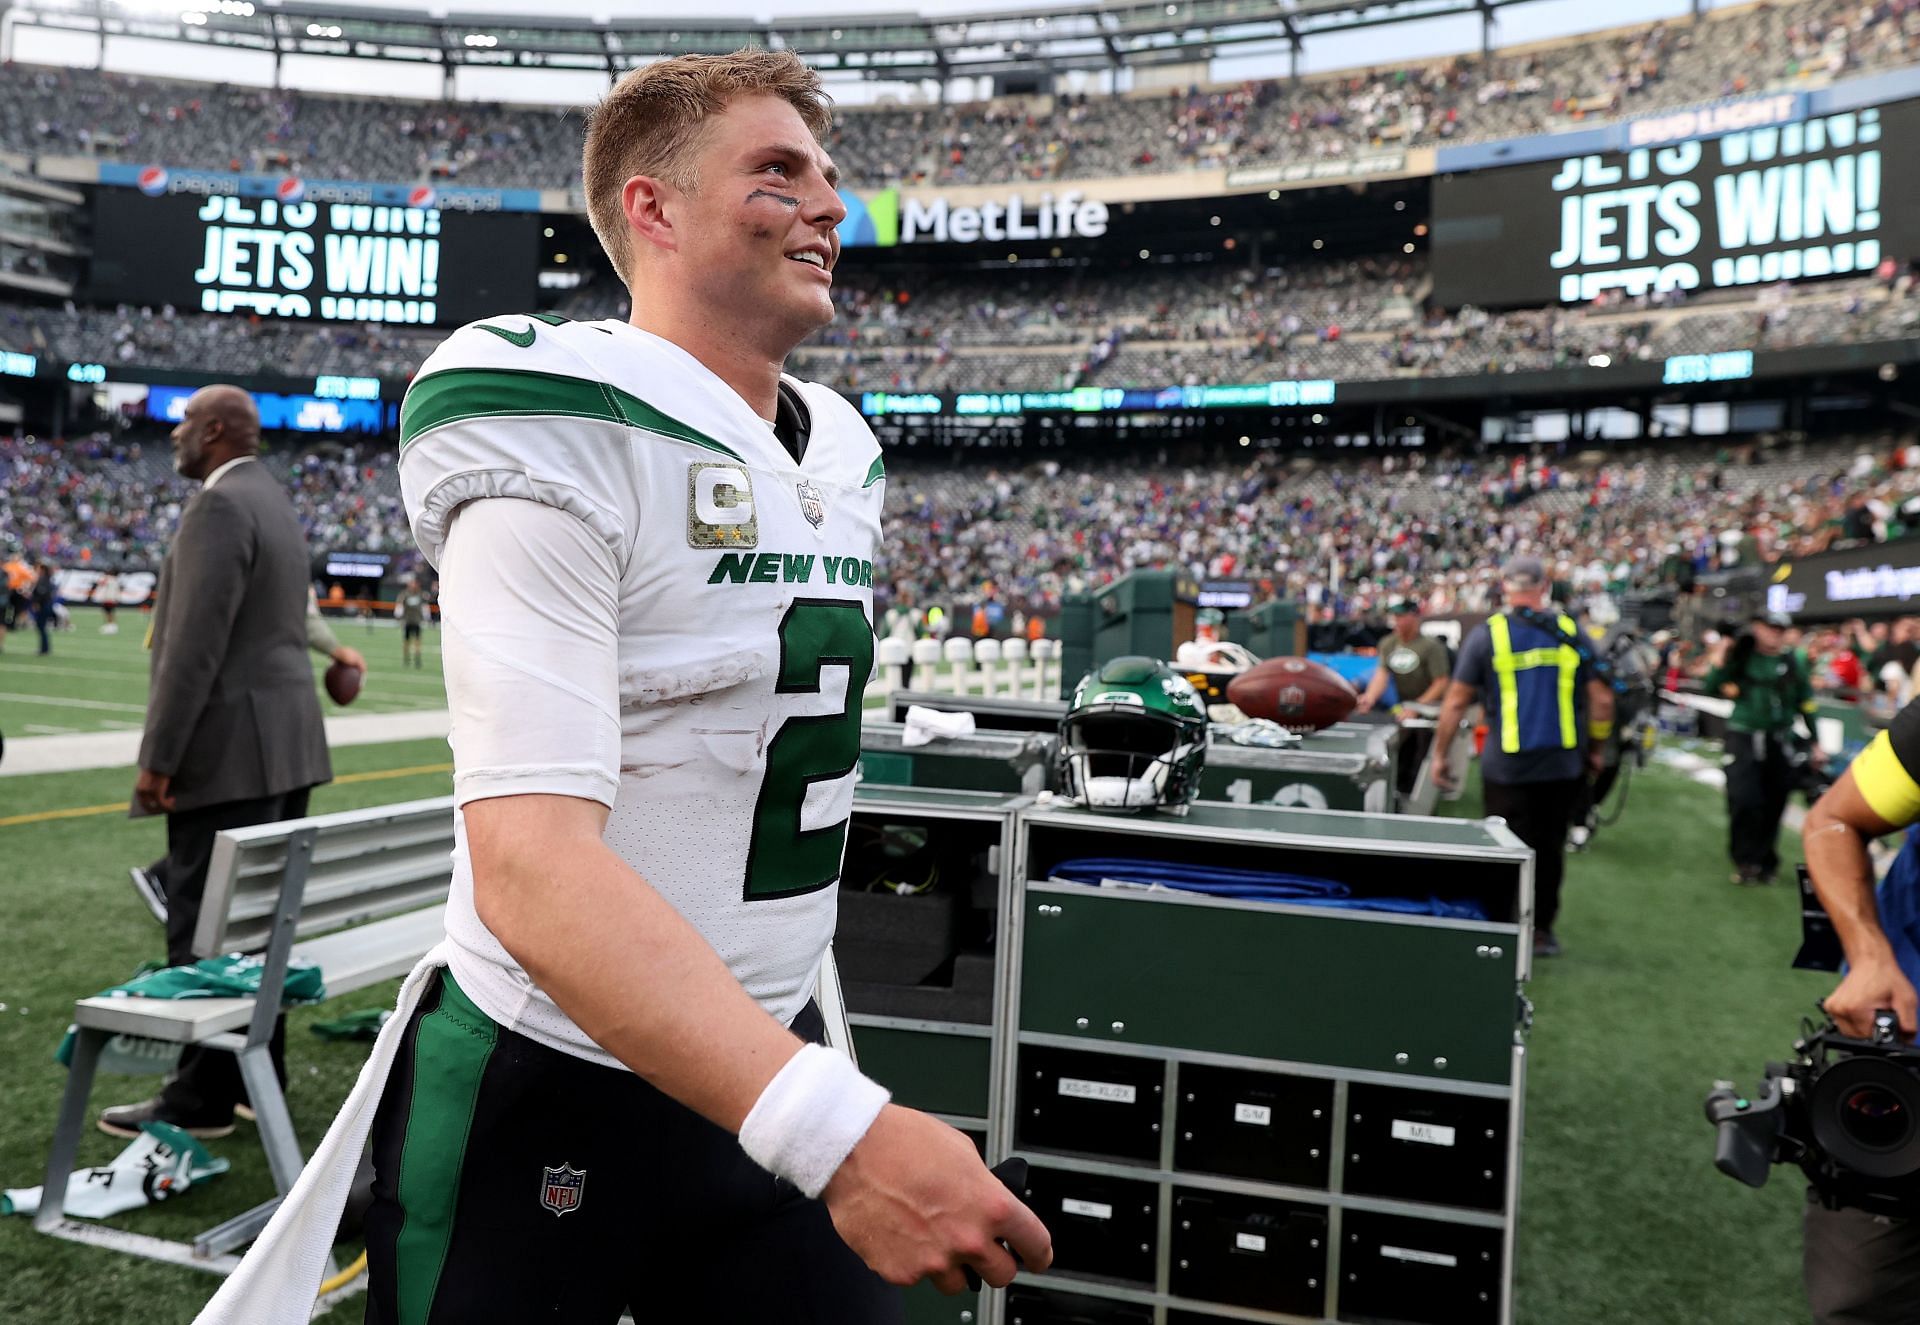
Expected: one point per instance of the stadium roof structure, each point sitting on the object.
(907, 46)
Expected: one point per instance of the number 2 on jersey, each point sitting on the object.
(784, 860)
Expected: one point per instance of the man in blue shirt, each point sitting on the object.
(1860, 1267)
(1548, 719)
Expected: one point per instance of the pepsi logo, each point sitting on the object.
(422, 195)
(153, 181)
(291, 189)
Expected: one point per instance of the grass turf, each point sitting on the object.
(1672, 977)
(73, 927)
(93, 682)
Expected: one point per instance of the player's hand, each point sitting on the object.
(1442, 775)
(914, 1202)
(1364, 704)
(1870, 986)
(351, 657)
(153, 792)
(1597, 761)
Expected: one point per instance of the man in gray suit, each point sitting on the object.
(233, 734)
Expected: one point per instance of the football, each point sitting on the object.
(1299, 694)
(343, 682)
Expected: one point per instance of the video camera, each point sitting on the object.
(1809, 779)
(1846, 1111)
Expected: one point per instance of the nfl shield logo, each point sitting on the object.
(1291, 698)
(813, 505)
(561, 1188)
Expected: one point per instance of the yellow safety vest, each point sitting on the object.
(1507, 666)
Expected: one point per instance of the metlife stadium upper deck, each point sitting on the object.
(1787, 177)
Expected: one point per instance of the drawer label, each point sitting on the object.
(1110, 1091)
(1260, 1115)
(1420, 1257)
(1249, 1242)
(1091, 1209)
(1426, 1134)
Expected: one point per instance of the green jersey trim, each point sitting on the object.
(452, 1046)
(458, 394)
(878, 472)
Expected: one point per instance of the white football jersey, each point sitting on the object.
(745, 636)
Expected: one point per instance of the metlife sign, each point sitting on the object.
(338, 261)
(889, 218)
(1750, 206)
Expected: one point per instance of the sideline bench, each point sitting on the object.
(361, 894)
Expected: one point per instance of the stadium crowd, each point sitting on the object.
(1154, 326)
(1343, 536)
(1725, 53)
(1348, 536)
(1354, 321)
(112, 503)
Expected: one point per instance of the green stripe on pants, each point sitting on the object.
(450, 1055)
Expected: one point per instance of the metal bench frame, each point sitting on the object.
(230, 920)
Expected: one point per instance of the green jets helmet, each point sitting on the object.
(1134, 738)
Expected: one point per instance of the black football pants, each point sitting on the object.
(515, 1183)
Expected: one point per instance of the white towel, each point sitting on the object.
(925, 725)
(279, 1278)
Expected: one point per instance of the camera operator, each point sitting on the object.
(1862, 1268)
(1770, 692)
(1631, 666)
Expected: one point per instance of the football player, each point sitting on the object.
(656, 557)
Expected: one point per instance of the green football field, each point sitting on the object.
(94, 683)
(1673, 977)
(98, 683)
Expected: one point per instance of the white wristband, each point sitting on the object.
(810, 1117)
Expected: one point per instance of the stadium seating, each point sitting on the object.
(1034, 535)
(1018, 540)
(81, 112)
(1233, 323)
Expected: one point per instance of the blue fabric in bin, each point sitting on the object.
(1254, 886)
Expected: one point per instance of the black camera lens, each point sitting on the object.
(1876, 1117)
(1865, 1112)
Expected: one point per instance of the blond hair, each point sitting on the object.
(652, 121)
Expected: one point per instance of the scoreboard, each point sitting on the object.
(348, 262)
(1828, 196)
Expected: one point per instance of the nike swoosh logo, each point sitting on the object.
(520, 338)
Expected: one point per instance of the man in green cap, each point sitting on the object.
(1418, 667)
(1415, 663)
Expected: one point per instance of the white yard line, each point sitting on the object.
(44, 669)
(58, 702)
(119, 749)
